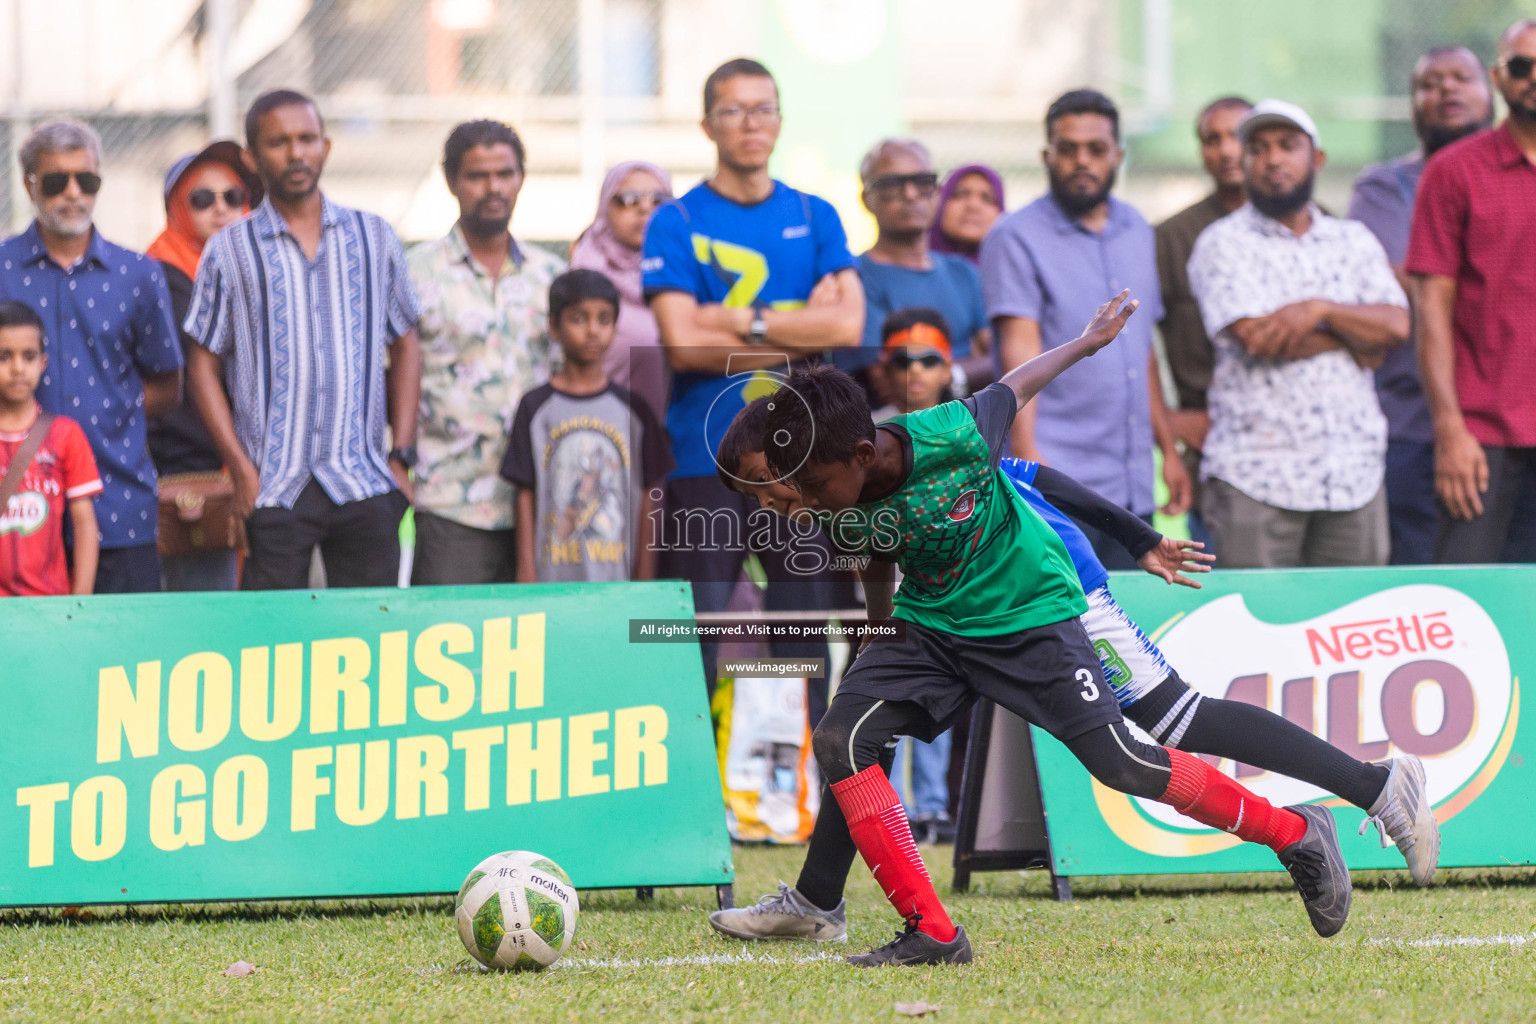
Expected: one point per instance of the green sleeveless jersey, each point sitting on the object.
(977, 560)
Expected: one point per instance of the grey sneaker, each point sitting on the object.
(1317, 866)
(1402, 815)
(783, 915)
(912, 947)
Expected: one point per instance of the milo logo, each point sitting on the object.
(1418, 669)
(25, 513)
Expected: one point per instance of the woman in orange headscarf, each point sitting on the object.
(204, 192)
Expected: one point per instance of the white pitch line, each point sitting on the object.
(1469, 940)
(705, 960)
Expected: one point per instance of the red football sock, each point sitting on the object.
(1203, 793)
(880, 831)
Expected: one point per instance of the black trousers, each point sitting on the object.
(450, 553)
(359, 541)
(707, 533)
(134, 570)
(1506, 524)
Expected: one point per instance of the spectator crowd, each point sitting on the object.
(278, 380)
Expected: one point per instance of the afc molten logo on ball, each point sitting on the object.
(1419, 669)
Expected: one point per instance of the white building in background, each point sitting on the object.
(393, 76)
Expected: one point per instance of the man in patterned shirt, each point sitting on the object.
(1301, 308)
(114, 361)
(306, 309)
(988, 606)
(484, 344)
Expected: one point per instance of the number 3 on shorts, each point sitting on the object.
(1090, 689)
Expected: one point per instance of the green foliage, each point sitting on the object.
(1139, 950)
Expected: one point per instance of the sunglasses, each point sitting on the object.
(888, 185)
(628, 199)
(904, 361)
(203, 198)
(1520, 67)
(55, 182)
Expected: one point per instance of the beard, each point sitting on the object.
(277, 187)
(65, 224)
(482, 227)
(479, 223)
(1523, 109)
(1435, 139)
(1283, 204)
(1075, 204)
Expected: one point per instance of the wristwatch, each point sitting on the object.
(757, 334)
(405, 455)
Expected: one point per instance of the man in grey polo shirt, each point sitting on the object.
(1301, 307)
(1045, 269)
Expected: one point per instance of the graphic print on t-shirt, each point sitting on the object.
(32, 560)
(24, 514)
(587, 464)
(588, 460)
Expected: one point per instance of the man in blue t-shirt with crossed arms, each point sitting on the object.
(745, 275)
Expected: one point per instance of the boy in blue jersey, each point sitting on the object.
(1150, 693)
(744, 275)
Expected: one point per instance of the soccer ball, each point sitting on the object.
(516, 911)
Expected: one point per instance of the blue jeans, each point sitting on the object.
(206, 570)
(929, 789)
(1411, 501)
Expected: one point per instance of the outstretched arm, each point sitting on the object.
(1163, 557)
(1027, 381)
(1085, 505)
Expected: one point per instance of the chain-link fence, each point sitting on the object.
(589, 82)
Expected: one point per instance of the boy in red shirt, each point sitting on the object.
(60, 470)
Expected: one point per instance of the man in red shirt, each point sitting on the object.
(1475, 212)
(61, 473)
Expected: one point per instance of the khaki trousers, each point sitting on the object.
(1249, 534)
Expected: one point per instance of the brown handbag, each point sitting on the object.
(197, 513)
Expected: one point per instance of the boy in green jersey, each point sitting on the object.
(989, 606)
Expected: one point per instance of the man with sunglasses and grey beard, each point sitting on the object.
(1469, 259)
(114, 358)
(900, 272)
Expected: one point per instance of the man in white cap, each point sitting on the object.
(1301, 307)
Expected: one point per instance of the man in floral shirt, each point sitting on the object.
(1300, 307)
(484, 344)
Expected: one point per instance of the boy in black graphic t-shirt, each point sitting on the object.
(584, 452)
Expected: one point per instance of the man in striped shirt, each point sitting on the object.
(306, 310)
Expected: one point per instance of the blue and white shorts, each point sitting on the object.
(1132, 663)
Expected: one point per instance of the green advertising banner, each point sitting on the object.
(350, 742)
(1378, 662)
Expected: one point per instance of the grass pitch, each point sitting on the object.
(1127, 949)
